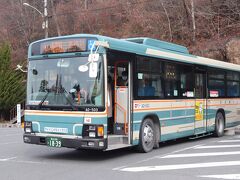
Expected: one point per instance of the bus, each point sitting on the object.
(95, 92)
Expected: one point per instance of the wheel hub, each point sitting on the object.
(148, 134)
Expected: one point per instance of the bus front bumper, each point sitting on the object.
(77, 143)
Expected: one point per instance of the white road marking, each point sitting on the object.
(218, 146)
(12, 159)
(181, 166)
(20, 161)
(19, 134)
(118, 168)
(27, 162)
(177, 151)
(223, 176)
(201, 154)
(9, 143)
(7, 159)
(6, 130)
(229, 141)
(155, 157)
(192, 147)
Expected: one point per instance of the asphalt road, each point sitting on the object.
(204, 158)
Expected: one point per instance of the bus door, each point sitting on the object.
(121, 97)
(200, 102)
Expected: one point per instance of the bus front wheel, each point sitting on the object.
(147, 136)
(219, 125)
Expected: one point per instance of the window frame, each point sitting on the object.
(218, 79)
(135, 84)
(193, 67)
(225, 79)
(163, 62)
(232, 80)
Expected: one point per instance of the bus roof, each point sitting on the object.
(152, 48)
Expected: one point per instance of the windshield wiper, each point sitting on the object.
(44, 98)
(68, 100)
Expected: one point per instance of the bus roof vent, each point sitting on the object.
(159, 44)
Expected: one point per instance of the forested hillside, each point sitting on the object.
(204, 26)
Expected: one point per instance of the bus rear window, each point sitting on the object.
(62, 46)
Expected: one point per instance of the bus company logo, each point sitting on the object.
(141, 106)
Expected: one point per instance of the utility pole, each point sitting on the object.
(55, 18)
(45, 19)
(44, 16)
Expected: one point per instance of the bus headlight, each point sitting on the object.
(27, 126)
(93, 131)
(92, 134)
(92, 128)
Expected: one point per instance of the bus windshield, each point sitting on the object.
(64, 82)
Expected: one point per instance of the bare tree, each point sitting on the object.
(193, 21)
(169, 23)
(191, 15)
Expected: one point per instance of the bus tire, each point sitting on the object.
(219, 125)
(147, 136)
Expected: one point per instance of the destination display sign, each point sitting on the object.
(62, 46)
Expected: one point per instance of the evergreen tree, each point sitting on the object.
(12, 87)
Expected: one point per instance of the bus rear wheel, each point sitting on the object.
(219, 125)
(147, 136)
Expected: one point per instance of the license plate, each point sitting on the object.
(54, 142)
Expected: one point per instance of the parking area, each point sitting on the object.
(203, 158)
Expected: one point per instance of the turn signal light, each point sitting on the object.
(100, 131)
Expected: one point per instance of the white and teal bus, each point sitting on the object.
(95, 92)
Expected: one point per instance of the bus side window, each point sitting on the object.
(149, 78)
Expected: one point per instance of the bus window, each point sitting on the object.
(186, 82)
(216, 83)
(122, 74)
(232, 89)
(171, 80)
(149, 78)
(216, 86)
(233, 84)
